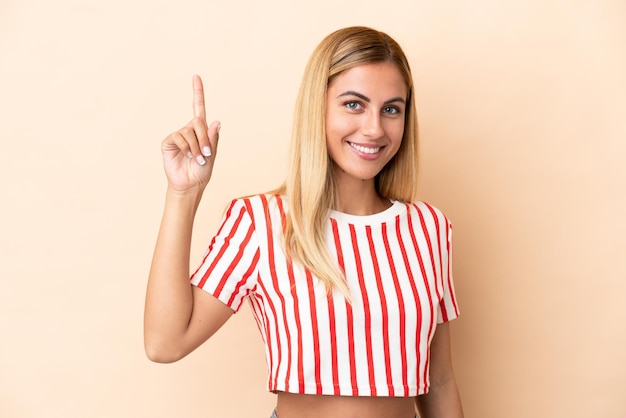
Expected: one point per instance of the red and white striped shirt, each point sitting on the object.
(398, 269)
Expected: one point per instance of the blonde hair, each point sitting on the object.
(309, 186)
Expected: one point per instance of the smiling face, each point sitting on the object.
(365, 112)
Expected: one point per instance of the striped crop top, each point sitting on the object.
(398, 268)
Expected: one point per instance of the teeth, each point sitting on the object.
(366, 150)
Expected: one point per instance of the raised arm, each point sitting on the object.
(178, 317)
(442, 400)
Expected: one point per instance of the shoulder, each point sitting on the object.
(425, 208)
(258, 206)
(259, 200)
(430, 218)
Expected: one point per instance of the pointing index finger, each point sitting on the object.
(198, 98)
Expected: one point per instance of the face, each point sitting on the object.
(365, 110)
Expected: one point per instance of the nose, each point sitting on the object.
(372, 125)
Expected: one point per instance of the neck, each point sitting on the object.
(359, 198)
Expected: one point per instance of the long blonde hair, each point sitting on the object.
(309, 186)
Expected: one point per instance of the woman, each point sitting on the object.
(348, 278)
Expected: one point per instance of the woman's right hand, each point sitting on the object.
(189, 153)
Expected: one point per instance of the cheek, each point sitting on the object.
(395, 131)
(338, 127)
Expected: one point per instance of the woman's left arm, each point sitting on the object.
(443, 399)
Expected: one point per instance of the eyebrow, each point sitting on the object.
(367, 99)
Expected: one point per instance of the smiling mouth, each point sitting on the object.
(365, 150)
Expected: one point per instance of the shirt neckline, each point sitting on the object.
(386, 215)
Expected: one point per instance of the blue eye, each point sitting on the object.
(392, 110)
(352, 105)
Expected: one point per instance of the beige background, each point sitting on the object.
(522, 109)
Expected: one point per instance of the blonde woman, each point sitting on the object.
(348, 277)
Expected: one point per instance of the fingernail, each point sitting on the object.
(200, 159)
(206, 151)
(189, 155)
(219, 126)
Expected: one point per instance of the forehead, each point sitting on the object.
(380, 77)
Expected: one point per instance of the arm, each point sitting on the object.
(442, 400)
(178, 317)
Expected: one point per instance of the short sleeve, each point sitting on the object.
(448, 308)
(229, 268)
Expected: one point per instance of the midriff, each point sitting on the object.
(293, 405)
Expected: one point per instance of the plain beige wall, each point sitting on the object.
(522, 109)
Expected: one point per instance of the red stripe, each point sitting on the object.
(349, 318)
(418, 301)
(296, 305)
(444, 312)
(259, 315)
(272, 262)
(226, 216)
(299, 329)
(436, 219)
(430, 248)
(400, 298)
(333, 344)
(353, 369)
(449, 267)
(263, 324)
(436, 276)
(430, 298)
(223, 249)
(383, 305)
(273, 375)
(233, 265)
(366, 310)
(316, 337)
(244, 280)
